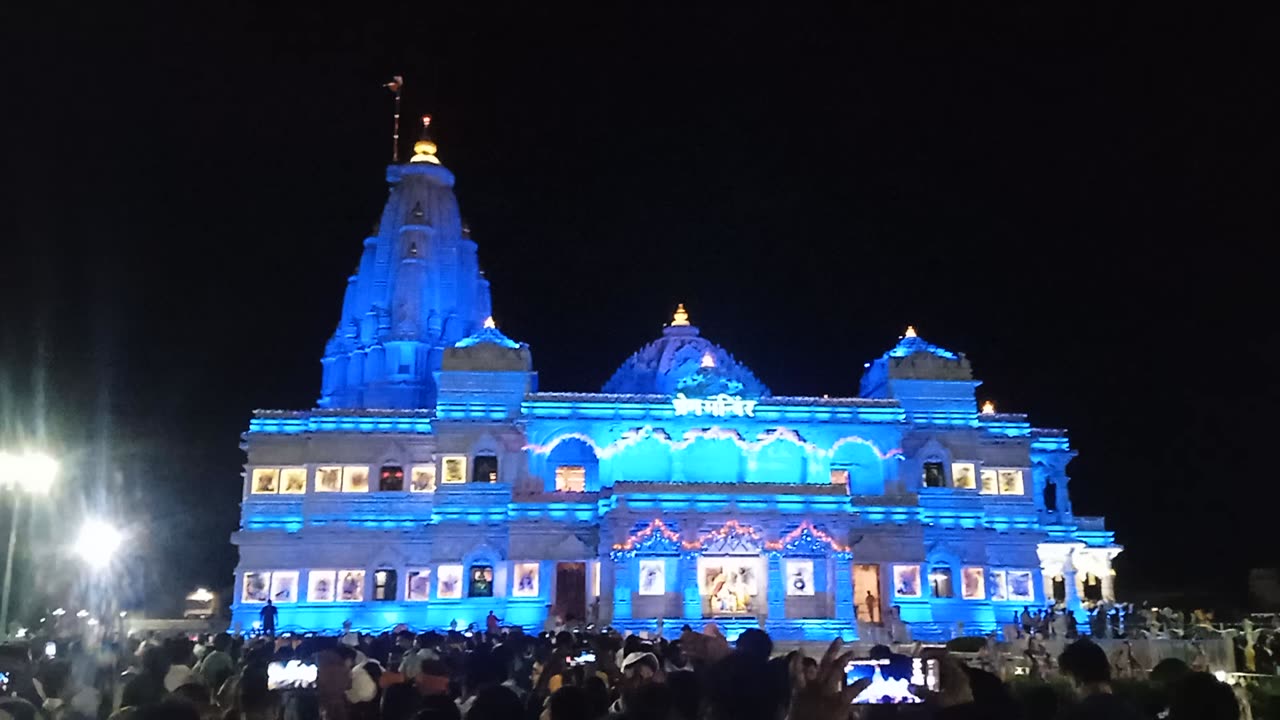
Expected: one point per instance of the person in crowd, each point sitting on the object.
(1201, 696)
(1087, 666)
(216, 665)
(146, 687)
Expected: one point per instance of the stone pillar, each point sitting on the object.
(777, 589)
(842, 590)
(624, 576)
(687, 574)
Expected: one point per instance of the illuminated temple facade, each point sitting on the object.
(435, 482)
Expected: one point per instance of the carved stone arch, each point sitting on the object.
(482, 553)
(486, 444)
(388, 557)
(394, 453)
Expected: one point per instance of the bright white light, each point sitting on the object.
(32, 472)
(123, 613)
(201, 595)
(98, 543)
(82, 614)
(1221, 675)
(93, 622)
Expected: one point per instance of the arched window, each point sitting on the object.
(934, 475)
(1059, 588)
(940, 581)
(1051, 496)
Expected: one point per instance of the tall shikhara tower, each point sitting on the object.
(418, 290)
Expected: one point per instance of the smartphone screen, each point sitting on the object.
(51, 649)
(4, 683)
(892, 679)
(291, 675)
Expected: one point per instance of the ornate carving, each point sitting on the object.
(733, 538)
(655, 539)
(807, 540)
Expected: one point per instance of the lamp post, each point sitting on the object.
(32, 473)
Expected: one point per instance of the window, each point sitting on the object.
(653, 577)
(293, 481)
(1010, 482)
(972, 584)
(989, 486)
(257, 587)
(455, 469)
(417, 588)
(1012, 585)
(422, 478)
(526, 580)
(1021, 588)
(355, 478)
(999, 586)
(940, 581)
(906, 581)
(265, 481)
(284, 587)
(280, 586)
(350, 586)
(799, 577)
(934, 476)
(485, 470)
(964, 476)
(481, 581)
(840, 477)
(320, 585)
(384, 585)
(571, 478)
(391, 479)
(329, 478)
(1051, 496)
(449, 582)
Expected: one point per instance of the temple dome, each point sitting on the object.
(682, 361)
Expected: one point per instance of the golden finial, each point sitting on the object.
(425, 149)
(681, 318)
(911, 331)
(489, 324)
(708, 360)
(988, 408)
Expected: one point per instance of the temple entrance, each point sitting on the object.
(1059, 589)
(571, 591)
(866, 592)
(1092, 588)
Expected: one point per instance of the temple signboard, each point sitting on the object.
(716, 405)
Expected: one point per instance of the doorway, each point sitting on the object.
(571, 591)
(867, 598)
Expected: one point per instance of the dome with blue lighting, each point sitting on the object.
(682, 361)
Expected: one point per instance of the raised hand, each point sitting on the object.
(825, 697)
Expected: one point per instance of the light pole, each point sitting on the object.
(32, 473)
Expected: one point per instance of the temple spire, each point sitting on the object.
(911, 331)
(425, 149)
(681, 318)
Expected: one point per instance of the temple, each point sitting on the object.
(435, 482)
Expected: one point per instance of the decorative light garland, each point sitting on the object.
(654, 537)
(795, 539)
(636, 436)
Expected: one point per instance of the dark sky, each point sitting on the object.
(1080, 198)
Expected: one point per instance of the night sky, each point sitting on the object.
(1080, 199)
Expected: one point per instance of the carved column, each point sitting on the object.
(842, 590)
(624, 576)
(777, 590)
(688, 576)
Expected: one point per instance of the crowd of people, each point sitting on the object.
(506, 674)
